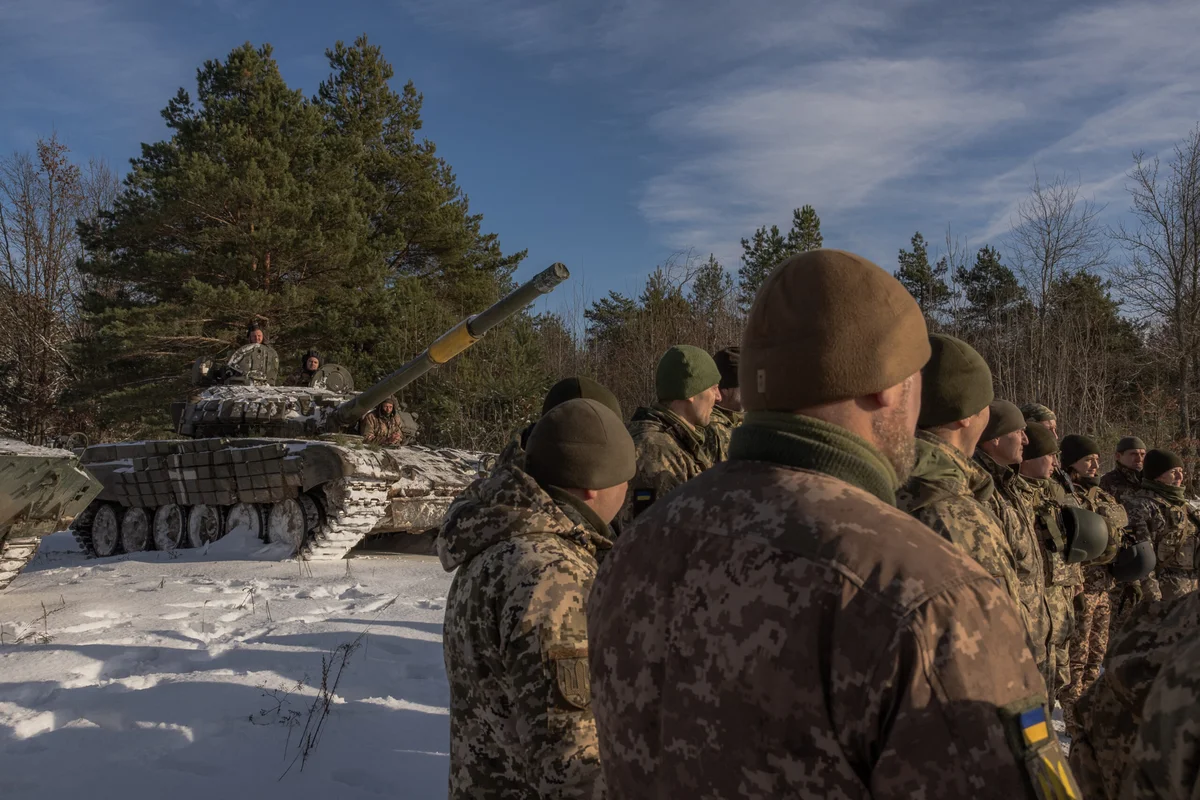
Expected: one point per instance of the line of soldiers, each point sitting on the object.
(862, 575)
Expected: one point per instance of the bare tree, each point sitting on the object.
(42, 196)
(1162, 278)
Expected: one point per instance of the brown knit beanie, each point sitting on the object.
(828, 325)
(580, 444)
(1041, 443)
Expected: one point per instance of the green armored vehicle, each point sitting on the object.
(282, 461)
(41, 490)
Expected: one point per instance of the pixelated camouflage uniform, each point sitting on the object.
(770, 630)
(948, 493)
(670, 452)
(516, 647)
(1165, 762)
(383, 429)
(1010, 503)
(1092, 606)
(1110, 710)
(1121, 483)
(1169, 523)
(719, 430)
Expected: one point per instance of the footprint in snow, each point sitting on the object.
(433, 604)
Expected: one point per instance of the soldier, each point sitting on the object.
(1081, 457)
(727, 413)
(776, 627)
(383, 425)
(310, 362)
(516, 645)
(254, 333)
(670, 435)
(1126, 474)
(1111, 710)
(561, 392)
(1036, 413)
(1159, 511)
(947, 490)
(999, 454)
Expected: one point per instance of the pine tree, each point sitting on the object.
(763, 252)
(991, 289)
(805, 234)
(924, 282)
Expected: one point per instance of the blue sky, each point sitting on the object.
(609, 135)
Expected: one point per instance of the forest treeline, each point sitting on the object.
(332, 222)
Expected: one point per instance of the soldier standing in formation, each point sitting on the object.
(1159, 511)
(727, 413)
(382, 425)
(309, 364)
(516, 643)
(1122, 481)
(1089, 642)
(947, 490)
(561, 392)
(776, 627)
(670, 435)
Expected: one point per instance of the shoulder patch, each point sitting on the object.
(1033, 742)
(642, 499)
(570, 665)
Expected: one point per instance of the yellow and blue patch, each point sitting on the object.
(1034, 727)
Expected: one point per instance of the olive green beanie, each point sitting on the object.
(1159, 462)
(1075, 447)
(573, 388)
(580, 444)
(828, 325)
(684, 372)
(1005, 418)
(1036, 412)
(1130, 443)
(1041, 443)
(955, 384)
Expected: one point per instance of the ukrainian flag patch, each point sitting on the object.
(643, 495)
(1033, 726)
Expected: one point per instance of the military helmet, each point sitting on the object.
(1086, 534)
(1134, 562)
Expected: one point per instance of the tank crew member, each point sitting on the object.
(310, 362)
(382, 425)
(254, 333)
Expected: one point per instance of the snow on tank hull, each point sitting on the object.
(41, 490)
(318, 498)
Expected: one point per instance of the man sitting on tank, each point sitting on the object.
(383, 425)
(310, 362)
(254, 334)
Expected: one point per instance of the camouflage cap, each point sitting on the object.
(1159, 462)
(1036, 412)
(580, 444)
(727, 361)
(575, 388)
(956, 383)
(1041, 443)
(827, 326)
(1005, 418)
(683, 372)
(1076, 447)
(1130, 443)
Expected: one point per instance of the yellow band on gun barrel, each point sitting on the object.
(451, 343)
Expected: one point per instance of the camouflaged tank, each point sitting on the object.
(282, 461)
(41, 490)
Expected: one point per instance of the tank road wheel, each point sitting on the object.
(286, 524)
(106, 532)
(170, 527)
(244, 515)
(135, 530)
(203, 525)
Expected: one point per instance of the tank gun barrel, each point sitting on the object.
(452, 342)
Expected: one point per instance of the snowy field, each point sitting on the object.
(200, 678)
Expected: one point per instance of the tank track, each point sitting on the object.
(352, 508)
(15, 553)
(81, 528)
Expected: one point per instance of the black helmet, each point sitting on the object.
(310, 354)
(1133, 561)
(1086, 534)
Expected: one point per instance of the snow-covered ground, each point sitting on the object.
(199, 676)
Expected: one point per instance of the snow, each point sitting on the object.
(191, 675)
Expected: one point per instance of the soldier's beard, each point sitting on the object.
(895, 437)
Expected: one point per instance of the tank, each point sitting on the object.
(284, 461)
(41, 491)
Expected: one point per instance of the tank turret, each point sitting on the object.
(282, 461)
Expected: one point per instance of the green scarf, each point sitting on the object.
(1167, 492)
(796, 441)
(1084, 480)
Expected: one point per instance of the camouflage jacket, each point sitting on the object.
(719, 431)
(772, 631)
(1047, 497)
(378, 429)
(1010, 503)
(299, 378)
(516, 646)
(1111, 709)
(1096, 576)
(949, 493)
(1167, 523)
(670, 452)
(1120, 482)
